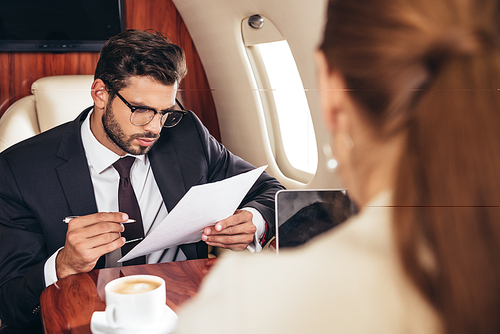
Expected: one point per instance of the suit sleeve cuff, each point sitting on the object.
(49, 271)
(260, 224)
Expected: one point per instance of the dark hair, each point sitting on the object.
(431, 68)
(140, 53)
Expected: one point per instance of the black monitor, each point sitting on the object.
(58, 25)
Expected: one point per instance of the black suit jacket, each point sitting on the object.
(46, 178)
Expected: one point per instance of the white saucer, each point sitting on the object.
(165, 325)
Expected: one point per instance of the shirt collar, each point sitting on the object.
(98, 156)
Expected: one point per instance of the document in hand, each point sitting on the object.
(202, 206)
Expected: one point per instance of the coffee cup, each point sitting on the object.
(134, 302)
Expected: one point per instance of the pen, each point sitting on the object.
(133, 240)
(67, 219)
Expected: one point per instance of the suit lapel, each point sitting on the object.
(167, 172)
(74, 174)
(168, 176)
(77, 185)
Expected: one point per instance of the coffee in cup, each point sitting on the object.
(134, 302)
(136, 285)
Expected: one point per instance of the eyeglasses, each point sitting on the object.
(141, 116)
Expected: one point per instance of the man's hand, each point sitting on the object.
(234, 232)
(88, 238)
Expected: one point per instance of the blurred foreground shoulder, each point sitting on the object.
(346, 280)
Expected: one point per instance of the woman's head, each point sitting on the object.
(390, 54)
(390, 51)
(423, 76)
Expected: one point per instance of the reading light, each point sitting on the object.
(256, 21)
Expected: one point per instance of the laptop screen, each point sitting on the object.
(304, 214)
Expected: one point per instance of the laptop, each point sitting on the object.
(303, 214)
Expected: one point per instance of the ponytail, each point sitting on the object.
(451, 165)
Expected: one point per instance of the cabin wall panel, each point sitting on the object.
(215, 27)
(18, 70)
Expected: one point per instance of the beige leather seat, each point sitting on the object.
(54, 100)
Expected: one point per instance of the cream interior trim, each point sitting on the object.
(215, 27)
(268, 33)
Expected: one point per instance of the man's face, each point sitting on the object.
(121, 135)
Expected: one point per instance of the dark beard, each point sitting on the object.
(115, 133)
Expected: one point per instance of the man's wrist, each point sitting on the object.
(260, 224)
(50, 274)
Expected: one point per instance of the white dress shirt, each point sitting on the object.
(105, 180)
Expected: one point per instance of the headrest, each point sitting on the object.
(60, 99)
(19, 122)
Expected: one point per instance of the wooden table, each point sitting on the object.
(67, 305)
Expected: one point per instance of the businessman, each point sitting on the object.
(133, 155)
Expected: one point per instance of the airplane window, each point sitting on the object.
(283, 98)
(293, 115)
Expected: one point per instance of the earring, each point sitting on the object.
(347, 141)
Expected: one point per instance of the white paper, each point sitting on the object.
(202, 206)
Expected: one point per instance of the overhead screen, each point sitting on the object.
(58, 25)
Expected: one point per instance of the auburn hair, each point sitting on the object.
(431, 68)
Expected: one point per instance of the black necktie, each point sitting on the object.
(127, 203)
